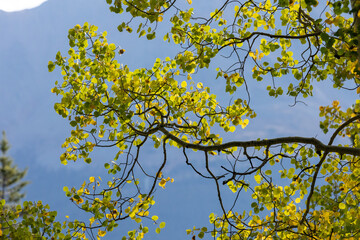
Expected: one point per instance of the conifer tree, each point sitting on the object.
(11, 183)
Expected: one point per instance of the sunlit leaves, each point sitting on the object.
(110, 103)
(140, 81)
(334, 116)
(164, 181)
(297, 191)
(33, 220)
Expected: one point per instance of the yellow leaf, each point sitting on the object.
(251, 54)
(245, 123)
(261, 55)
(257, 178)
(336, 20)
(101, 233)
(91, 179)
(183, 84)
(358, 90)
(342, 206)
(162, 183)
(101, 133)
(189, 1)
(160, 18)
(92, 220)
(146, 213)
(213, 153)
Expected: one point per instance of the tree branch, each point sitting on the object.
(319, 146)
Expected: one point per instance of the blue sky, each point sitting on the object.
(30, 38)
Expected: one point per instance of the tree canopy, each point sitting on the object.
(299, 187)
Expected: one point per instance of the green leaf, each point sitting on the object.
(88, 160)
(51, 66)
(73, 123)
(150, 36)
